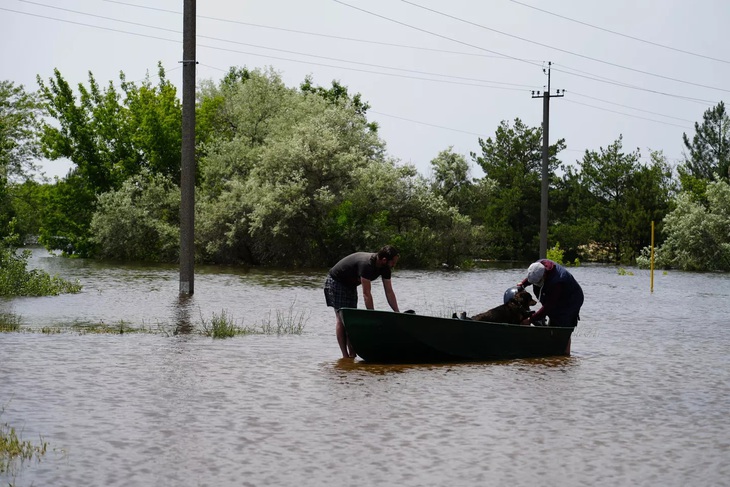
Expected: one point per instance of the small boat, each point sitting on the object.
(388, 337)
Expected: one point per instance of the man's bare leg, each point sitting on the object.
(342, 336)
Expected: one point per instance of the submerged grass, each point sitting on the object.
(219, 325)
(9, 322)
(290, 323)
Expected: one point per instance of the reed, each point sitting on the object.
(290, 322)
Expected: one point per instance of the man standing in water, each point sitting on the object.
(340, 287)
(558, 291)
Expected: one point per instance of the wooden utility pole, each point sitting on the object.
(187, 163)
(545, 95)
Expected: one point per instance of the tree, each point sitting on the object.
(20, 114)
(139, 221)
(155, 121)
(697, 237)
(299, 177)
(338, 94)
(109, 138)
(269, 180)
(613, 199)
(450, 178)
(708, 154)
(19, 125)
(513, 161)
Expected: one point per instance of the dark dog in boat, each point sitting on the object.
(513, 311)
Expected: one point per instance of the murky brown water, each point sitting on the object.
(642, 401)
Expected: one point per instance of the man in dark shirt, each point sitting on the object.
(340, 287)
(557, 290)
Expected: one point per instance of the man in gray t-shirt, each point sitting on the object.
(340, 287)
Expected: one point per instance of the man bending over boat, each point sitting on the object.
(559, 293)
(340, 287)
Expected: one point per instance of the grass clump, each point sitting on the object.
(15, 450)
(221, 326)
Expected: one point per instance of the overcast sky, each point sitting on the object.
(436, 74)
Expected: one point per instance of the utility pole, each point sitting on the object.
(545, 95)
(187, 162)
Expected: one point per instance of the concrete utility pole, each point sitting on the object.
(545, 95)
(187, 163)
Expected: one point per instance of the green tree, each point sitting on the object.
(513, 161)
(450, 179)
(300, 177)
(155, 123)
(268, 185)
(91, 132)
(20, 115)
(338, 94)
(67, 207)
(572, 222)
(697, 237)
(614, 198)
(109, 138)
(139, 221)
(708, 153)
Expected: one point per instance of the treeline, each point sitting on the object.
(298, 176)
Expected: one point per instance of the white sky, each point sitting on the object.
(477, 64)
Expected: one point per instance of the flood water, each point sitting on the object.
(643, 400)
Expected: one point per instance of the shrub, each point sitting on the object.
(17, 280)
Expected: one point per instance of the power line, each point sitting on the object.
(91, 25)
(268, 56)
(435, 34)
(594, 78)
(481, 83)
(281, 50)
(480, 135)
(602, 79)
(621, 34)
(564, 50)
(424, 123)
(630, 107)
(586, 75)
(627, 114)
(341, 67)
(317, 34)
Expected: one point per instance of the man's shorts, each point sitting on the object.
(338, 295)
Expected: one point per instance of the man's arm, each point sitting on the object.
(366, 294)
(390, 295)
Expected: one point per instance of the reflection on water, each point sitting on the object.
(182, 314)
(643, 399)
(352, 366)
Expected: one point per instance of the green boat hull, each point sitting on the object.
(388, 337)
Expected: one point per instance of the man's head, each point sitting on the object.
(536, 273)
(390, 254)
